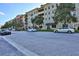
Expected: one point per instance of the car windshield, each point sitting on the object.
(3, 29)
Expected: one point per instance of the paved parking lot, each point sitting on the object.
(48, 43)
(8, 50)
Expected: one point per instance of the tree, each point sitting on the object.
(7, 25)
(37, 20)
(13, 24)
(63, 13)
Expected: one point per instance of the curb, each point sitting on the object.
(25, 51)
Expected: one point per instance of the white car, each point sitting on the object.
(67, 30)
(31, 30)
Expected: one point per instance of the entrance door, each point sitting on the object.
(65, 26)
(48, 26)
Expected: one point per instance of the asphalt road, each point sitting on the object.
(48, 43)
(7, 49)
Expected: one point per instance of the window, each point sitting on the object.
(53, 25)
(45, 18)
(48, 7)
(31, 14)
(49, 18)
(52, 17)
(52, 11)
(74, 14)
(52, 6)
(45, 13)
(56, 5)
(31, 18)
(45, 8)
(40, 26)
(49, 13)
(34, 12)
(65, 26)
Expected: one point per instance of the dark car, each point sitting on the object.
(5, 32)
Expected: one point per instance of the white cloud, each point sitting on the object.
(2, 13)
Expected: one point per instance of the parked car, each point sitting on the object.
(66, 30)
(31, 30)
(5, 32)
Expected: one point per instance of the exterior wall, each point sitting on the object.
(74, 13)
(0, 26)
(21, 19)
(49, 10)
(59, 25)
(30, 15)
(76, 25)
(77, 10)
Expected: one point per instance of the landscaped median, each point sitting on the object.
(77, 31)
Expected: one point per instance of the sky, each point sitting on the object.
(9, 11)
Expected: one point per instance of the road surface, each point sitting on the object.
(7, 49)
(47, 43)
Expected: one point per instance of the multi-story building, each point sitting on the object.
(77, 10)
(32, 14)
(76, 25)
(49, 10)
(21, 19)
(17, 23)
(75, 13)
(0, 25)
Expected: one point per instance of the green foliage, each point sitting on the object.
(77, 31)
(26, 17)
(63, 14)
(7, 25)
(13, 23)
(37, 20)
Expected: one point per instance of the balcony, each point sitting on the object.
(40, 9)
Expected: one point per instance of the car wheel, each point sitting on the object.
(69, 31)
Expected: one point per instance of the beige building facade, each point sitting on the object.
(32, 14)
(47, 11)
(20, 19)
